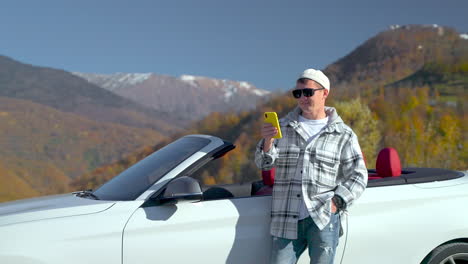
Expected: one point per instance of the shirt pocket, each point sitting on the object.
(326, 168)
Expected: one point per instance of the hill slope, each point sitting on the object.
(394, 55)
(407, 117)
(42, 148)
(69, 93)
(402, 107)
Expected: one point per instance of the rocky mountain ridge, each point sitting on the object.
(192, 97)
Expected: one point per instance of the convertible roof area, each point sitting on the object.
(264, 186)
(389, 172)
(413, 176)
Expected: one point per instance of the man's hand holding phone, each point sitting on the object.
(270, 130)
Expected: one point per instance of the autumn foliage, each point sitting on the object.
(405, 88)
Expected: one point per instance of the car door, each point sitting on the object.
(232, 230)
(400, 224)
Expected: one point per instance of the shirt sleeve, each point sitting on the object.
(354, 173)
(265, 160)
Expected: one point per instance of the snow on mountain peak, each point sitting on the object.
(261, 92)
(190, 79)
(230, 90)
(133, 78)
(464, 36)
(116, 80)
(120, 81)
(245, 85)
(187, 77)
(254, 90)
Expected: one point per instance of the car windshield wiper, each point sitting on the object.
(87, 193)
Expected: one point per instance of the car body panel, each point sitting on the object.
(91, 238)
(230, 230)
(240, 235)
(405, 222)
(49, 207)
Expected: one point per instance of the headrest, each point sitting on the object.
(268, 177)
(388, 163)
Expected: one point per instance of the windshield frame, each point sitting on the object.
(188, 165)
(117, 189)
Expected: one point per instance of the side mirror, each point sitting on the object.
(183, 189)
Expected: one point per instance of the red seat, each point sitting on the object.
(387, 165)
(268, 177)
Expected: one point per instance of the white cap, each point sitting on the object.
(317, 76)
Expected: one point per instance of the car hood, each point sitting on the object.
(49, 207)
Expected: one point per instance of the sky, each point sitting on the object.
(266, 43)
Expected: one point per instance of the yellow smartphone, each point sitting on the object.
(272, 118)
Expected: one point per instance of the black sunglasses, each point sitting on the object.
(308, 92)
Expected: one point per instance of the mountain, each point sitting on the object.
(56, 126)
(394, 94)
(42, 148)
(69, 93)
(398, 86)
(395, 54)
(192, 97)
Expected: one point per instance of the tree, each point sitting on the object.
(364, 123)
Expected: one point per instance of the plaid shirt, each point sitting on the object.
(331, 164)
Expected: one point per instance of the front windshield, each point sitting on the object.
(132, 182)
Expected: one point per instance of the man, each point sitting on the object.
(320, 172)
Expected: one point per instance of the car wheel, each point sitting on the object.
(453, 253)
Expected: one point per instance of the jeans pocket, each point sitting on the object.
(335, 221)
(339, 224)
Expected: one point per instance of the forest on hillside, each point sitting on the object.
(404, 88)
(426, 130)
(418, 108)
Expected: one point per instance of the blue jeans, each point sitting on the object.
(322, 243)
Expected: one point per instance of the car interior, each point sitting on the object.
(387, 172)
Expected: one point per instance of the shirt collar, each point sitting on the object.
(335, 123)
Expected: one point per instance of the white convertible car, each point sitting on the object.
(154, 212)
